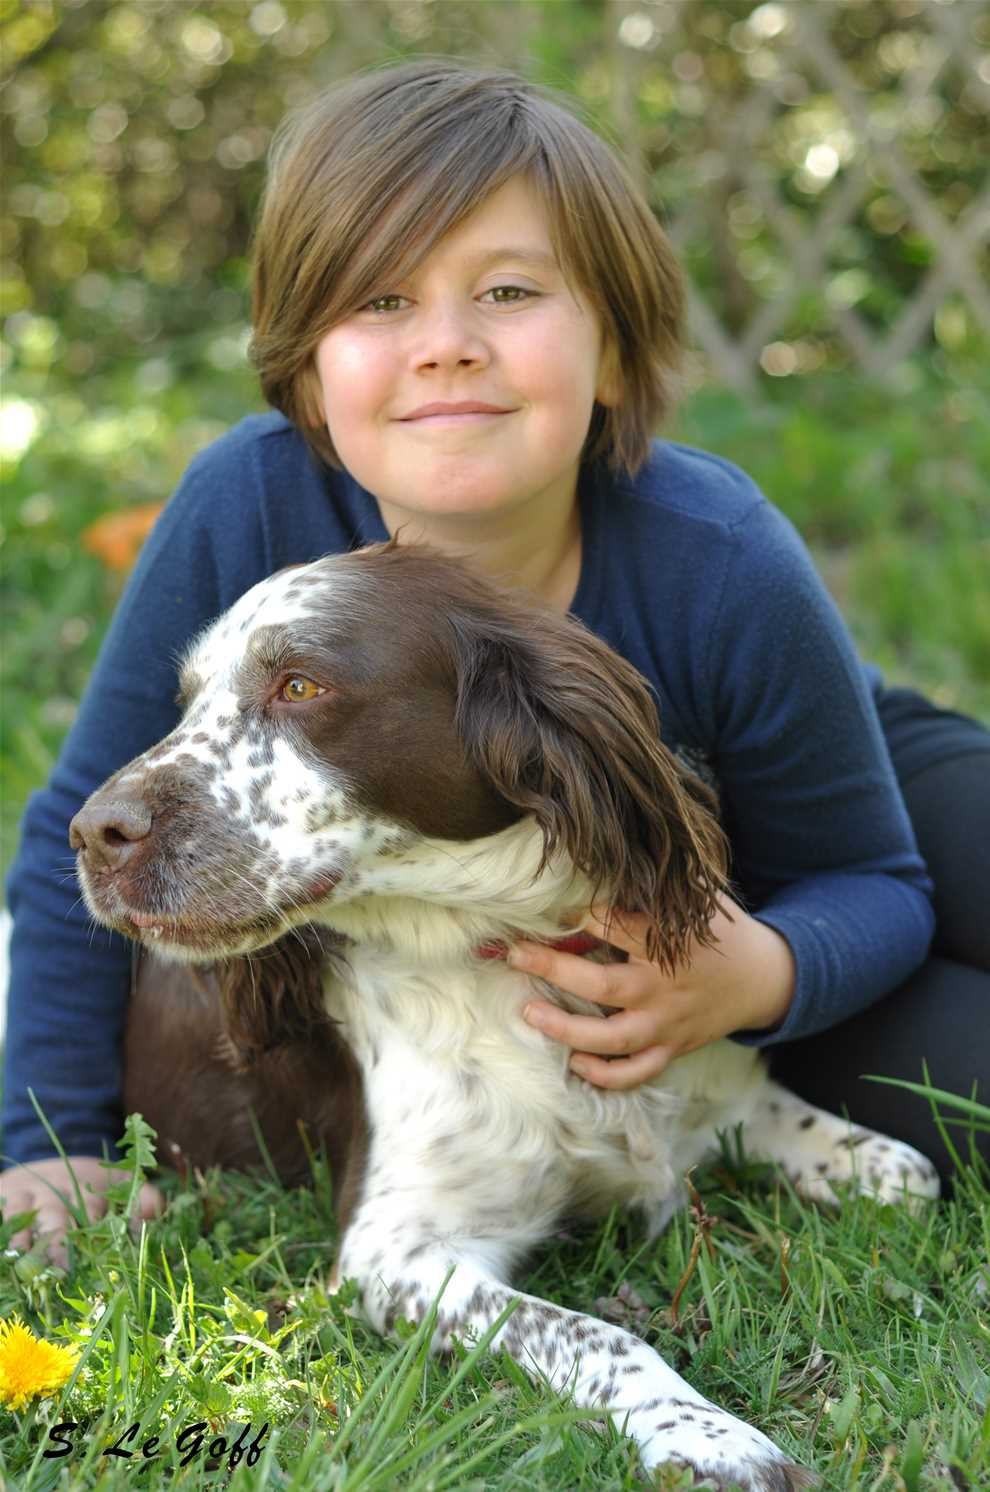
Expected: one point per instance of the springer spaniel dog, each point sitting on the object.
(388, 769)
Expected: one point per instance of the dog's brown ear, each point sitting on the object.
(275, 996)
(209, 1091)
(566, 729)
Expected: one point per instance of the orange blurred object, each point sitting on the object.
(116, 538)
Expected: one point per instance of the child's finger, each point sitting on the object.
(625, 1072)
(150, 1205)
(21, 1242)
(94, 1202)
(151, 1202)
(629, 1031)
(603, 984)
(49, 1228)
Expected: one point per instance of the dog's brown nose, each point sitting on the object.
(109, 829)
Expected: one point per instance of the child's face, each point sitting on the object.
(444, 336)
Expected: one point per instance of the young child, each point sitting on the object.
(436, 234)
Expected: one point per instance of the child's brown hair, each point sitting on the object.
(369, 176)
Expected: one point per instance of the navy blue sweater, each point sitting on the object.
(688, 571)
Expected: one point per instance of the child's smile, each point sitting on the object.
(432, 417)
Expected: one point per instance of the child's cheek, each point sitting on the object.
(560, 382)
(355, 373)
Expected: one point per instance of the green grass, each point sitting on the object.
(858, 1338)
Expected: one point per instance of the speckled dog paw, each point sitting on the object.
(720, 1451)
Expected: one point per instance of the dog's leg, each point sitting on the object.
(815, 1148)
(401, 1271)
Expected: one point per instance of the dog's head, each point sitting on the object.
(355, 727)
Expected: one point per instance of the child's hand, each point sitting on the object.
(47, 1186)
(745, 982)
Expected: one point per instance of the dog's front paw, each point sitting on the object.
(719, 1450)
(883, 1168)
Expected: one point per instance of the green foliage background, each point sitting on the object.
(134, 136)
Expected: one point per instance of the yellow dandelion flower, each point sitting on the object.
(30, 1368)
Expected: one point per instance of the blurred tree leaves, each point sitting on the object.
(134, 136)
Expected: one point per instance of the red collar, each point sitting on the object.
(579, 943)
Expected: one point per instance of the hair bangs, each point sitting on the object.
(442, 186)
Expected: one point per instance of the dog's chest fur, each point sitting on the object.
(475, 1115)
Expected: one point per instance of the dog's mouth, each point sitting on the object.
(209, 934)
(211, 939)
(212, 934)
(154, 927)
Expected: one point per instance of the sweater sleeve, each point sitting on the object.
(823, 849)
(69, 981)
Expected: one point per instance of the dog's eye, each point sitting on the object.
(298, 689)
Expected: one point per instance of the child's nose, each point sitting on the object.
(450, 335)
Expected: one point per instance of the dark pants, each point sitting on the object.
(941, 1014)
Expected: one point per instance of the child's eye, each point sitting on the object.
(375, 305)
(517, 289)
(519, 292)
